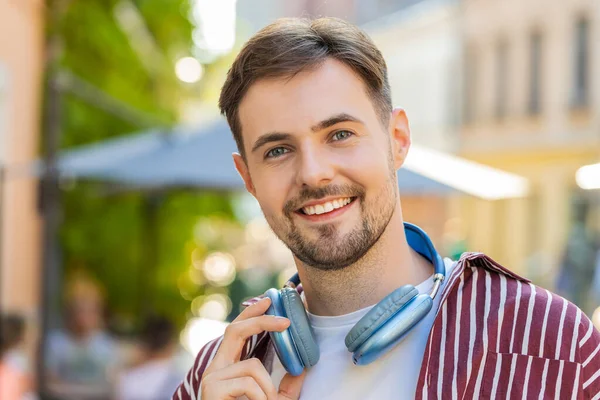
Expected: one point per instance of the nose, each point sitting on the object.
(315, 169)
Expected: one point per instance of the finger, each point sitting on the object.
(252, 368)
(237, 333)
(254, 310)
(234, 388)
(290, 386)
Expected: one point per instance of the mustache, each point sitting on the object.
(306, 194)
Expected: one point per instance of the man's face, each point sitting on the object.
(320, 163)
(85, 315)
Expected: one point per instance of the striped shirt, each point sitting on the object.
(495, 335)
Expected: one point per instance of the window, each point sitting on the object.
(535, 72)
(581, 64)
(501, 79)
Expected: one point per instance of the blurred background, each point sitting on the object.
(126, 239)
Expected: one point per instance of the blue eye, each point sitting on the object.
(342, 135)
(276, 152)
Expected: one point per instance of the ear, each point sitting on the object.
(242, 169)
(399, 136)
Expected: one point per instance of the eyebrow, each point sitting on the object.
(326, 123)
(268, 138)
(336, 119)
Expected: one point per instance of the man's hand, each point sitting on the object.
(228, 378)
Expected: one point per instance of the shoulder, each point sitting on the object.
(190, 385)
(554, 327)
(59, 343)
(497, 282)
(57, 336)
(103, 338)
(105, 344)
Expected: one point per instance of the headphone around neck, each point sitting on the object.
(378, 331)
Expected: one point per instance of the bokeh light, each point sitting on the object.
(197, 259)
(187, 288)
(219, 268)
(258, 230)
(215, 306)
(196, 276)
(200, 331)
(188, 70)
(588, 177)
(216, 25)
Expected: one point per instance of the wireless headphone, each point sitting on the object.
(381, 329)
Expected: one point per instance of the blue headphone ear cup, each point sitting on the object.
(393, 331)
(300, 328)
(379, 315)
(283, 342)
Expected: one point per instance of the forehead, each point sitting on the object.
(294, 105)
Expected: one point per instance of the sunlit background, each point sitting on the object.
(115, 165)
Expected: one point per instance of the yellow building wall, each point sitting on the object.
(527, 235)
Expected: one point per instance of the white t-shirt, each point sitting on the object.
(392, 376)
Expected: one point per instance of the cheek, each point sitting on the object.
(370, 167)
(271, 194)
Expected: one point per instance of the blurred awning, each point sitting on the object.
(201, 157)
(184, 156)
(465, 175)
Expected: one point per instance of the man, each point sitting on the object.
(15, 380)
(309, 105)
(82, 359)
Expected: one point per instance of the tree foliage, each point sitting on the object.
(138, 256)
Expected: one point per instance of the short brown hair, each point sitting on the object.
(291, 45)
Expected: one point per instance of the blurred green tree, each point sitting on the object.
(126, 50)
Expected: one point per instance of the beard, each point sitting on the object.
(332, 250)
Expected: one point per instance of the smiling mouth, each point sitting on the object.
(326, 207)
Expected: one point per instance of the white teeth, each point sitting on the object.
(326, 207)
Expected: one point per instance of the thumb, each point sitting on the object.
(290, 386)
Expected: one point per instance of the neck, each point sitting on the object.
(389, 264)
(82, 334)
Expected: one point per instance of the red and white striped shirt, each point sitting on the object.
(495, 335)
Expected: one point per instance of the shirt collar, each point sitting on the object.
(467, 259)
(475, 259)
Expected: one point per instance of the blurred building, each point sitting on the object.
(532, 107)
(21, 71)
(422, 48)
(421, 43)
(258, 13)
